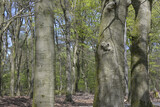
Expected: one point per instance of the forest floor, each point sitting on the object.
(80, 100)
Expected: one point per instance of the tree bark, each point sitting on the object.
(110, 55)
(1, 21)
(18, 74)
(83, 71)
(74, 64)
(12, 72)
(78, 70)
(68, 51)
(125, 63)
(139, 62)
(32, 55)
(15, 43)
(44, 69)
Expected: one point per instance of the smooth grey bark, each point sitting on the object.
(74, 65)
(139, 62)
(1, 21)
(74, 49)
(109, 91)
(125, 63)
(44, 69)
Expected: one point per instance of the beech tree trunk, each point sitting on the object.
(78, 70)
(32, 55)
(110, 55)
(1, 21)
(65, 8)
(44, 69)
(74, 64)
(125, 63)
(139, 62)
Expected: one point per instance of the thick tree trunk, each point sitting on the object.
(44, 69)
(110, 55)
(1, 21)
(139, 63)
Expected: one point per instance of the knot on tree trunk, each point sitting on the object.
(106, 46)
(111, 5)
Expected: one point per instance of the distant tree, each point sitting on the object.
(1, 34)
(65, 4)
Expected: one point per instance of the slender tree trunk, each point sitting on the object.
(12, 56)
(25, 42)
(125, 63)
(12, 72)
(68, 51)
(60, 73)
(1, 21)
(74, 49)
(68, 71)
(18, 74)
(83, 71)
(60, 63)
(110, 55)
(32, 56)
(139, 62)
(78, 71)
(44, 69)
(15, 44)
(27, 67)
(74, 65)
